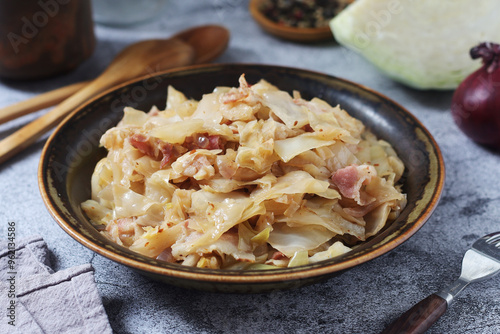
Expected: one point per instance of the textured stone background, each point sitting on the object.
(364, 299)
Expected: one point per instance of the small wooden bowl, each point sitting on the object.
(304, 35)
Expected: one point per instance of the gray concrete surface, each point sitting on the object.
(364, 299)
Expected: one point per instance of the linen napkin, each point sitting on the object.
(35, 300)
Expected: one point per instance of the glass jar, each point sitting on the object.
(42, 38)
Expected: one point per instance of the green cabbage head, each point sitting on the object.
(421, 43)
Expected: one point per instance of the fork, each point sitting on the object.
(480, 262)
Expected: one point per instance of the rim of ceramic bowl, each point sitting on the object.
(369, 250)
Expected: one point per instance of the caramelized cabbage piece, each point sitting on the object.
(247, 177)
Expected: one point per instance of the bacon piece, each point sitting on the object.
(166, 255)
(142, 143)
(126, 226)
(153, 147)
(349, 180)
(227, 167)
(360, 211)
(166, 150)
(346, 180)
(278, 256)
(214, 142)
(204, 141)
(195, 164)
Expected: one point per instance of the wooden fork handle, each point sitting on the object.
(40, 102)
(420, 317)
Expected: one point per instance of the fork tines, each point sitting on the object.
(494, 238)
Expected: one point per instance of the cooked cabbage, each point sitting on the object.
(247, 177)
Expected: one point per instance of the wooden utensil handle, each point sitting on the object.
(40, 102)
(134, 61)
(420, 317)
(28, 134)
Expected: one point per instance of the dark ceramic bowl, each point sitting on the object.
(72, 151)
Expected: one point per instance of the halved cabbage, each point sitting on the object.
(424, 44)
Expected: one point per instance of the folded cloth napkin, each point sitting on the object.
(35, 300)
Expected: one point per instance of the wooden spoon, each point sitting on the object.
(208, 43)
(136, 60)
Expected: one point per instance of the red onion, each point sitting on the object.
(476, 102)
